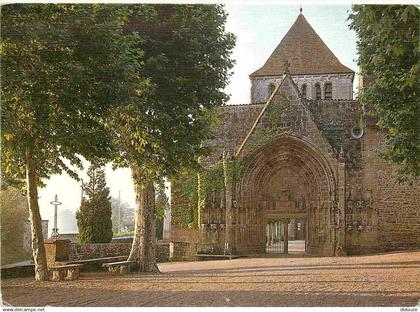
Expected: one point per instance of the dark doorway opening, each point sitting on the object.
(286, 236)
(274, 242)
(297, 237)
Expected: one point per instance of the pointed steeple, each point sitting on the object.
(305, 51)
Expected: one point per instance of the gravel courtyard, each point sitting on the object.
(391, 279)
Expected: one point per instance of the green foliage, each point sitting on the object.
(162, 201)
(63, 67)
(228, 172)
(203, 188)
(201, 200)
(124, 233)
(389, 50)
(263, 136)
(14, 214)
(213, 179)
(275, 110)
(184, 197)
(186, 61)
(268, 130)
(94, 215)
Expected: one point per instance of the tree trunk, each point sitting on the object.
(143, 250)
(40, 259)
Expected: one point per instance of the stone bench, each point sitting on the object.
(93, 265)
(69, 272)
(121, 267)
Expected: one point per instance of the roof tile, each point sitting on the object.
(305, 51)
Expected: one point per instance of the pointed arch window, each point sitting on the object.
(328, 91)
(271, 88)
(317, 91)
(304, 92)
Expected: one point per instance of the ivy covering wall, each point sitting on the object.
(195, 190)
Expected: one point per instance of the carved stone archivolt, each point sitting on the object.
(289, 178)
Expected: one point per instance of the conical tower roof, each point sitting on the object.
(305, 51)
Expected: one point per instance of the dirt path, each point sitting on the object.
(380, 280)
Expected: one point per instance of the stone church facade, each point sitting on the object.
(310, 164)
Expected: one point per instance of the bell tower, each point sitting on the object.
(314, 68)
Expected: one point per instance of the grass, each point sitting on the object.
(127, 233)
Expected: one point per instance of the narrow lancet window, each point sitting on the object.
(304, 91)
(271, 89)
(328, 91)
(317, 91)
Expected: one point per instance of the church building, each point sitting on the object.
(309, 166)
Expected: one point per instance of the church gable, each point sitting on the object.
(285, 113)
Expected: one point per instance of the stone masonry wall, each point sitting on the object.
(381, 215)
(185, 236)
(235, 123)
(361, 222)
(181, 251)
(342, 86)
(162, 252)
(397, 205)
(93, 251)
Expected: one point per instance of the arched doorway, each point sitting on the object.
(287, 181)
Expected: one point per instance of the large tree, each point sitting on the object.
(187, 61)
(94, 216)
(389, 49)
(63, 67)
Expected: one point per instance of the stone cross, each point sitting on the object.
(56, 203)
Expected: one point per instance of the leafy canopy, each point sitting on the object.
(63, 67)
(389, 50)
(187, 62)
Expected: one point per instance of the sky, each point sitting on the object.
(259, 28)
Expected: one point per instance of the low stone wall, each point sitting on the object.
(180, 251)
(162, 252)
(122, 240)
(92, 251)
(190, 237)
(13, 271)
(165, 252)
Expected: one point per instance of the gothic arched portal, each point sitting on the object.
(286, 179)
